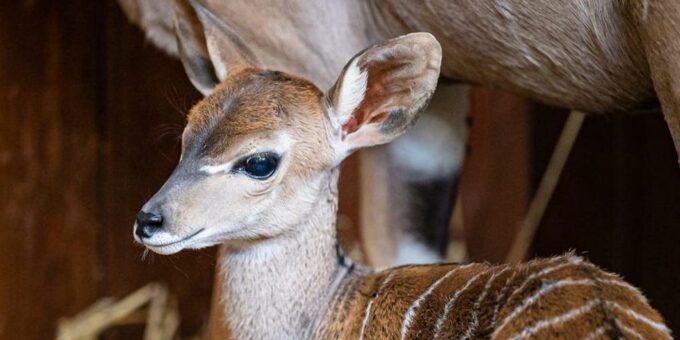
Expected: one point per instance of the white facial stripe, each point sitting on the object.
(214, 169)
(352, 92)
(278, 144)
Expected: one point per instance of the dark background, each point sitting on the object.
(90, 117)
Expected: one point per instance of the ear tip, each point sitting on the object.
(195, 3)
(424, 41)
(421, 38)
(200, 9)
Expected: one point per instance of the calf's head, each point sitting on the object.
(258, 150)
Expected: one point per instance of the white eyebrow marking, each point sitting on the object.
(214, 169)
(281, 143)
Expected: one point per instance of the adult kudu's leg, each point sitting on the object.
(658, 23)
(408, 187)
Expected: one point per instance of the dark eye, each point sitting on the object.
(261, 165)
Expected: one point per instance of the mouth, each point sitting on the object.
(171, 247)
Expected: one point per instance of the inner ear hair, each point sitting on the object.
(348, 93)
(383, 89)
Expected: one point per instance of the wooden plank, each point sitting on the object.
(84, 102)
(495, 180)
(618, 202)
(48, 164)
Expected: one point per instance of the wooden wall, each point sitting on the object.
(495, 183)
(90, 116)
(618, 201)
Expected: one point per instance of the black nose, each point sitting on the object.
(147, 224)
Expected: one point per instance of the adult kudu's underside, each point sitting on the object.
(590, 55)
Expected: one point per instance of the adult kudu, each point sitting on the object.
(590, 55)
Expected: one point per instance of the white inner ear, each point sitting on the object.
(216, 57)
(352, 92)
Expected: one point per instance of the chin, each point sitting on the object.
(166, 243)
(166, 250)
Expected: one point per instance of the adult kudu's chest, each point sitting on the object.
(580, 54)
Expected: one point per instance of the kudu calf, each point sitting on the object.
(258, 174)
(590, 55)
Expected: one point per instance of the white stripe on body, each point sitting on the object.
(572, 260)
(507, 285)
(449, 305)
(475, 308)
(596, 333)
(410, 312)
(628, 330)
(639, 317)
(370, 304)
(547, 288)
(543, 324)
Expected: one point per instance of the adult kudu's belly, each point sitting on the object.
(582, 54)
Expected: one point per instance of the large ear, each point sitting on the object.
(382, 91)
(208, 47)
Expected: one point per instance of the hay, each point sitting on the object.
(151, 305)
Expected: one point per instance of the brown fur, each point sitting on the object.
(584, 55)
(282, 238)
(258, 101)
(474, 301)
(600, 55)
(593, 55)
(485, 296)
